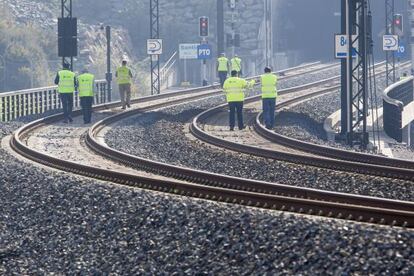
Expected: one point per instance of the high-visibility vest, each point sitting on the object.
(234, 89)
(223, 64)
(236, 64)
(86, 84)
(66, 82)
(269, 82)
(123, 75)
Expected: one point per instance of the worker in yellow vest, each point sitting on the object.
(124, 79)
(66, 81)
(86, 85)
(222, 68)
(236, 65)
(269, 95)
(234, 88)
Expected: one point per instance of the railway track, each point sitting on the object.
(223, 188)
(320, 156)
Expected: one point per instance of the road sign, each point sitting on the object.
(390, 42)
(154, 46)
(204, 51)
(341, 46)
(188, 51)
(402, 51)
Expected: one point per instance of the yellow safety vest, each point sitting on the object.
(223, 64)
(86, 84)
(66, 82)
(236, 64)
(234, 88)
(269, 82)
(123, 75)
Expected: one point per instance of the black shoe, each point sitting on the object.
(70, 119)
(65, 121)
(128, 105)
(232, 129)
(123, 108)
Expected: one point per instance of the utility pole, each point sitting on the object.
(155, 34)
(357, 25)
(389, 29)
(108, 63)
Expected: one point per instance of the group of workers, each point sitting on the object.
(235, 89)
(224, 66)
(68, 83)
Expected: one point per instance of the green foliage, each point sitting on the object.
(24, 51)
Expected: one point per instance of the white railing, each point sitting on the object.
(168, 73)
(22, 103)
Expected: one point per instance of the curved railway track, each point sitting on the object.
(321, 156)
(214, 186)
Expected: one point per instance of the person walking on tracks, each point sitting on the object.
(66, 82)
(124, 79)
(234, 88)
(236, 65)
(222, 68)
(269, 95)
(86, 84)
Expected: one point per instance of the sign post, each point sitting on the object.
(204, 52)
(154, 49)
(187, 51)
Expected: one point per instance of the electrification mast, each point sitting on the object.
(155, 34)
(389, 29)
(356, 80)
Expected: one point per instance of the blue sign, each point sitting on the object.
(402, 51)
(204, 51)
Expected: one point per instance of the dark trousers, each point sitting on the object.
(269, 107)
(223, 77)
(236, 108)
(86, 103)
(67, 105)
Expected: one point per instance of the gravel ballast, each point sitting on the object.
(160, 136)
(54, 223)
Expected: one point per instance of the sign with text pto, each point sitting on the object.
(204, 51)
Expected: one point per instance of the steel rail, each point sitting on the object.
(248, 192)
(330, 162)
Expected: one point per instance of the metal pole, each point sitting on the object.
(155, 34)
(344, 85)
(349, 71)
(220, 27)
(108, 63)
(389, 29)
(66, 12)
(268, 32)
(410, 10)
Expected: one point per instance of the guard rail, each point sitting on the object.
(22, 103)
